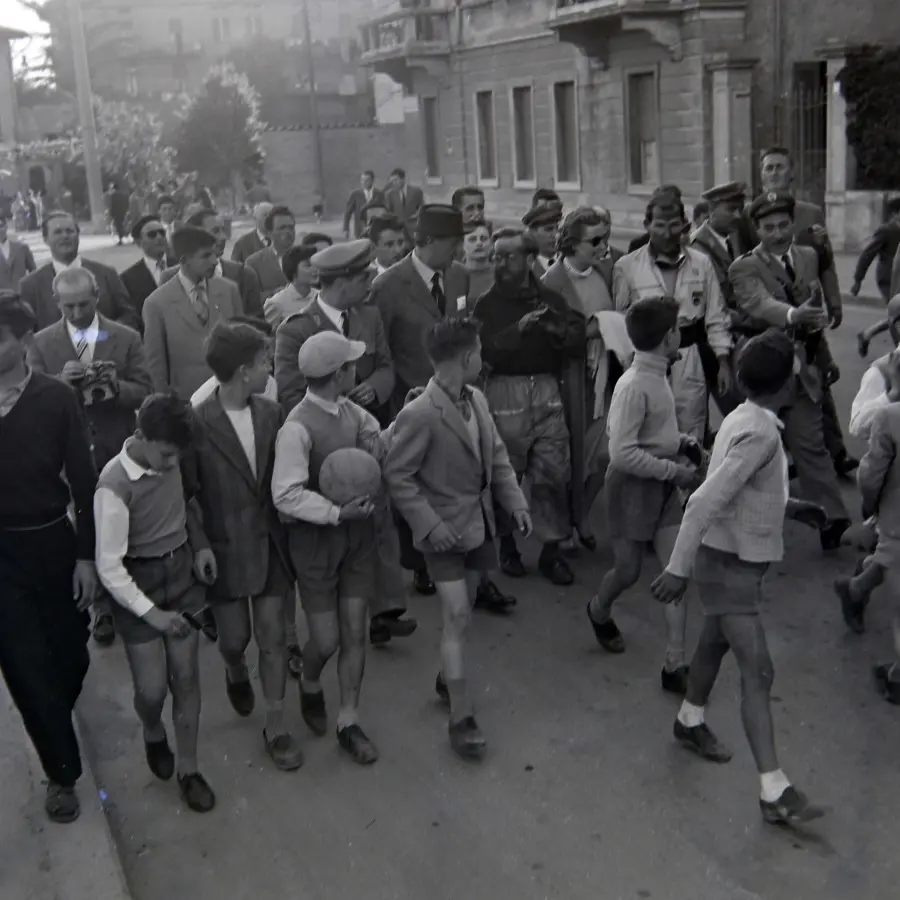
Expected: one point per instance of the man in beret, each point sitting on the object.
(542, 223)
(426, 286)
(778, 285)
(145, 276)
(180, 313)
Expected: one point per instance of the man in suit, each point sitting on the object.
(266, 263)
(469, 200)
(253, 241)
(16, 259)
(777, 285)
(61, 236)
(179, 315)
(403, 201)
(104, 362)
(244, 277)
(360, 198)
(167, 209)
(145, 276)
(411, 296)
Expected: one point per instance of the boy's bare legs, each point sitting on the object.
(322, 644)
(233, 623)
(147, 662)
(674, 677)
(184, 683)
(353, 623)
(627, 559)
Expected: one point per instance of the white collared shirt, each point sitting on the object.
(426, 273)
(89, 334)
(263, 237)
(217, 271)
(155, 268)
(5, 249)
(334, 315)
(189, 285)
(723, 242)
(62, 267)
(369, 194)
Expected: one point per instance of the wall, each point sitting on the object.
(8, 118)
(346, 152)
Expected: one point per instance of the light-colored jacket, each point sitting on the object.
(740, 506)
(879, 476)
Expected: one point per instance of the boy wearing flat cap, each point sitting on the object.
(333, 548)
(542, 223)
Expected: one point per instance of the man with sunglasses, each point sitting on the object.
(146, 275)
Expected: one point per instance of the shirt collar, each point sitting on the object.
(91, 331)
(332, 408)
(334, 315)
(217, 271)
(721, 241)
(773, 417)
(187, 284)
(426, 273)
(263, 237)
(134, 470)
(651, 362)
(379, 268)
(575, 273)
(61, 266)
(154, 265)
(669, 264)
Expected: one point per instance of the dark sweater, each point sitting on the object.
(541, 350)
(42, 437)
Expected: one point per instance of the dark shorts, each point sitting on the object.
(453, 565)
(728, 586)
(166, 580)
(636, 508)
(333, 561)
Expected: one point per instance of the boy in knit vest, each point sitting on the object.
(333, 548)
(732, 531)
(645, 472)
(154, 561)
(445, 466)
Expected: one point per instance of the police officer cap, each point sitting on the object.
(437, 220)
(138, 226)
(340, 260)
(324, 353)
(189, 239)
(732, 192)
(770, 203)
(549, 214)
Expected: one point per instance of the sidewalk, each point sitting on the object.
(38, 859)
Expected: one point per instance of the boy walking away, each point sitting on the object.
(332, 548)
(229, 474)
(445, 466)
(643, 501)
(732, 531)
(155, 572)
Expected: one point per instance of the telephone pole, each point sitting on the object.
(314, 108)
(86, 116)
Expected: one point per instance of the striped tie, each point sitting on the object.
(81, 345)
(201, 303)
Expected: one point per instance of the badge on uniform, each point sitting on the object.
(697, 297)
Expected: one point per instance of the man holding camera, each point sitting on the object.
(104, 362)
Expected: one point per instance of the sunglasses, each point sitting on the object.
(597, 241)
(155, 233)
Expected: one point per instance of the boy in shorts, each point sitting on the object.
(732, 531)
(645, 472)
(332, 548)
(229, 475)
(154, 561)
(445, 465)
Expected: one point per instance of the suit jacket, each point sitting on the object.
(267, 268)
(433, 474)
(740, 507)
(140, 284)
(111, 421)
(19, 264)
(37, 290)
(245, 246)
(355, 205)
(245, 279)
(879, 474)
(405, 212)
(174, 336)
(238, 515)
(708, 242)
(374, 366)
(407, 310)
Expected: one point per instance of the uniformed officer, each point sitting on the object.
(777, 284)
(663, 268)
(345, 276)
(542, 223)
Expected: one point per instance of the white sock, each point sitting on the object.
(346, 718)
(690, 716)
(773, 785)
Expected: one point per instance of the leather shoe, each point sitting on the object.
(887, 687)
(489, 597)
(353, 741)
(556, 570)
(466, 738)
(423, 584)
(675, 681)
(284, 751)
(701, 741)
(312, 708)
(104, 630)
(607, 633)
(792, 806)
(240, 694)
(196, 793)
(160, 758)
(830, 536)
(511, 565)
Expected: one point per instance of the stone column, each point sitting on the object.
(7, 95)
(732, 119)
(837, 153)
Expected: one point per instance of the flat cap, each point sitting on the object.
(138, 226)
(343, 259)
(732, 192)
(189, 239)
(324, 353)
(770, 203)
(545, 214)
(438, 220)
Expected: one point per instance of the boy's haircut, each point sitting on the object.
(465, 191)
(291, 260)
(400, 173)
(231, 345)
(16, 314)
(648, 322)
(259, 324)
(479, 222)
(315, 237)
(273, 213)
(530, 246)
(545, 195)
(380, 224)
(701, 208)
(765, 363)
(450, 338)
(166, 418)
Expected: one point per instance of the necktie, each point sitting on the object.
(160, 268)
(201, 303)
(464, 409)
(345, 325)
(729, 247)
(786, 260)
(81, 345)
(438, 293)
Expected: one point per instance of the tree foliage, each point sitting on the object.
(869, 83)
(220, 133)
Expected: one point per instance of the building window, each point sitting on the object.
(522, 100)
(642, 128)
(565, 134)
(485, 136)
(432, 124)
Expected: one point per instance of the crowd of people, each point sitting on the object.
(197, 444)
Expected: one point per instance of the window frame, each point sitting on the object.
(557, 184)
(480, 179)
(439, 178)
(641, 188)
(529, 184)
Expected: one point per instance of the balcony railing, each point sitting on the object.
(427, 31)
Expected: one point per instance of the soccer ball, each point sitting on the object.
(349, 474)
